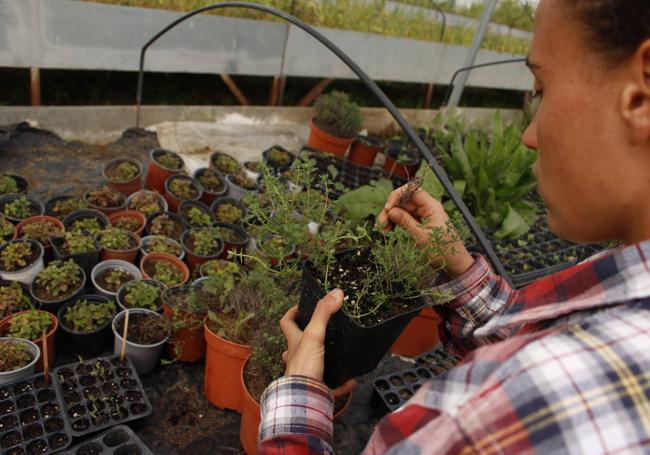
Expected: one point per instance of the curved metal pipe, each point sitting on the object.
(372, 86)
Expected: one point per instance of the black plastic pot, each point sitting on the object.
(38, 206)
(117, 440)
(53, 306)
(186, 205)
(213, 159)
(228, 200)
(350, 349)
(21, 182)
(82, 214)
(84, 260)
(43, 432)
(171, 215)
(93, 343)
(266, 157)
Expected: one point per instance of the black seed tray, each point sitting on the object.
(119, 440)
(397, 388)
(101, 393)
(31, 418)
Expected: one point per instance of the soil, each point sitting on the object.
(144, 328)
(53, 425)
(112, 287)
(33, 257)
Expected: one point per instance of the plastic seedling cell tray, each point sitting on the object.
(32, 419)
(119, 440)
(101, 393)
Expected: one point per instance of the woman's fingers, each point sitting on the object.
(289, 327)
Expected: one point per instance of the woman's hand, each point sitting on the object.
(409, 215)
(305, 355)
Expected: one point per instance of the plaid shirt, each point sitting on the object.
(562, 366)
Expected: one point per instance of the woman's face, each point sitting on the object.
(588, 172)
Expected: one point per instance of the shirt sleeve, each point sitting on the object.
(296, 417)
(469, 302)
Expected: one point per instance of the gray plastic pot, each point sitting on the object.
(144, 357)
(27, 274)
(112, 263)
(8, 377)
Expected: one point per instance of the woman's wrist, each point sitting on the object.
(458, 262)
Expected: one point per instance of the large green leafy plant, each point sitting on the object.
(337, 114)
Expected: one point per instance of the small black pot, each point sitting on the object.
(93, 343)
(89, 213)
(21, 182)
(49, 205)
(209, 196)
(53, 306)
(7, 198)
(266, 157)
(192, 203)
(213, 159)
(350, 349)
(228, 200)
(174, 216)
(84, 260)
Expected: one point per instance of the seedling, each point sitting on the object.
(13, 355)
(59, 277)
(205, 241)
(89, 224)
(115, 239)
(41, 231)
(84, 316)
(8, 184)
(146, 203)
(160, 244)
(78, 243)
(198, 218)
(105, 197)
(210, 181)
(124, 171)
(64, 207)
(229, 213)
(242, 181)
(183, 188)
(279, 156)
(30, 325)
(13, 299)
(169, 161)
(6, 229)
(167, 273)
(115, 278)
(20, 208)
(228, 273)
(140, 294)
(128, 224)
(226, 164)
(164, 225)
(16, 256)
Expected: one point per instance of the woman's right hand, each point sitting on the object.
(410, 214)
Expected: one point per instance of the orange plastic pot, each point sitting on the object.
(180, 265)
(34, 219)
(420, 336)
(133, 214)
(325, 142)
(394, 168)
(157, 174)
(363, 153)
(224, 361)
(187, 344)
(49, 338)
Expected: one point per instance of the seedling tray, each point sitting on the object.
(119, 440)
(101, 393)
(32, 419)
(397, 388)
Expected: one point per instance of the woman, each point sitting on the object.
(564, 364)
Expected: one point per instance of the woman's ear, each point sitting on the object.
(635, 101)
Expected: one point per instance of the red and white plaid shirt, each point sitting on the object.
(561, 366)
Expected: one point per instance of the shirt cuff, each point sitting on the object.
(297, 405)
(455, 293)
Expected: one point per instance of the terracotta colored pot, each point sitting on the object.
(180, 265)
(193, 260)
(124, 255)
(188, 344)
(420, 336)
(49, 337)
(364, 151)
(33, 219)
(394, 168)
(157, 174)
(126, 188)
(224, 361)
(174, 201)
(133, 214)
(208, 196)
(320, 140)
(105, 210)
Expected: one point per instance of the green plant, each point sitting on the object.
(163, 225)
(30, 325)
(279, 156)
(211, 181)
(229, 213)
(169, 160)
(128, 224)
(16, 256)
(84, 316)
(241, 180)
(197, 217)
(63, 208)
(183, 188)
(14, 355)
(20, 208)
(41, 231)
(13, 299)
(115, 278)
(140, 294)
(146, 203)
(337, 115)
(227, 234)
(227, 164)
(78, 243)
(89, 225)
(160, 244)
(123, 171)
(8, 184)
(115, 239)
(167, 273)
(228, 272)
(105, 197)
(6, 229)
(59, 277)
(205, 241)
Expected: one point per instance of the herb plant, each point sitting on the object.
(16, 256)
(30, 325)
(169, 160)
(13, 299)
(78, 243)
(146, 202)
(167, 273)
(197, 217)
(13, 356)
(8, 184)
(337, 114)
(84, 316)
(41, 231)
(59, 277)
(115, 239)
(20, 208)
(140, 294)
(228, 213)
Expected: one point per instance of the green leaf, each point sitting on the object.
(513, 225)
(429, 181)
(359, 204)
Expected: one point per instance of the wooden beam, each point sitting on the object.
(35, 85)
(314, 92)
(282, 83)
(235, 90)
(273, 91)
(428, 96)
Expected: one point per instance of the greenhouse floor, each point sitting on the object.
(183, 421)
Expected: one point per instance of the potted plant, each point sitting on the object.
(147, 332)
(213, 184)
(130, 220)
(109, 276)
(7, 231)
(169, 270)
(63, 205)
(17, 359)
(402, 160)
(180, 188)
(364, 150)
(186, 309)
(163, 164)
(14, 297)
(141, 294)
(81, 247)
(336, 123)
(30, 325)
(146, 202)
(253, 169)
(57, 283)
(235, 238)
(13, 184)
(226, 271)
(240, 184)
(201, 245)
(118, 244)
(224, 163)
(195, 214)
(166, 224)
(228, 210)
(161, 244)
(105, 200)
(17, 207)
(86, 221)
(277, 158)
(86, 322)
(21, 260)
(40, 228)
(123, 175)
